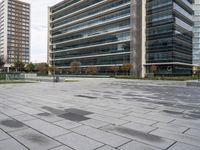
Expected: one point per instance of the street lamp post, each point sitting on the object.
(54, 64)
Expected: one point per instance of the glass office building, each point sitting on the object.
(196, 31)
(169, 36)
(106, 33)
(93, 32)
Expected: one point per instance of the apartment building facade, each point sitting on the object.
(106, 33)
(196, 31)
(15, 31)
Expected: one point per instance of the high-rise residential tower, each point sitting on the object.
(196, 31)
(15, 31)
(106, 33)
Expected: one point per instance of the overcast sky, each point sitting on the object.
(39, 9)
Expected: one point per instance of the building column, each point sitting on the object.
(138, 37)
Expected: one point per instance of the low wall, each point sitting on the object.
(193, 84)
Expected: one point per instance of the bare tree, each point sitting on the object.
(91, 70)
(2, 61)
(126, 68)
(30, 67)
(154, 69)
(115, 69)
(75, 67)
(196, 71)
(51, 69)
(19, 66)
(42, 68)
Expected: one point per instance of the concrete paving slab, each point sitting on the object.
(191, 140)
(10, 125)
(150, 139)
(3, 135)
(139, 120)
(187, 123)
(94, 123)
(137, 146)
(193, 132)
(11, 144)
(67, 124)
(101, 136)
(79, 142)
(10, 111)
(62, 148)
(107, 119)
(139, 127)
(170, 127)
(24, 117)
(48, 117)
(106, 148)
(182, 146)
(46, 128)
(34, 140)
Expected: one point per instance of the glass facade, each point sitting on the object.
(196, 31)
(169, 36)
(93, 32)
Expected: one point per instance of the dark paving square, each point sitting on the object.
(73, 117)
(78, 111)
(85, 96)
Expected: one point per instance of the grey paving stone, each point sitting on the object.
(26, 109)
(10, 125)
(138, 110)
(107, 119)
(48, 117)
(24, 117)
(106, 148)
(140, 120)
(177, 137)
(62, 148)
(106, 113)
(123, 112)
(34, 140)
(182, 146)
(3, 135)
(94, 123)
(53, 110)
(11, 144)
(10, 111)
(101, 136)
(187, 123)
(79, 142)
(67, 124)
(46, 128)
(193, 132)
(137, 146)
(139, 127)
(139, 136)
(171, 127)
(2, 116)
(157, 117)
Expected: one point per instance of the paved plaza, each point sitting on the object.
(100, 114)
